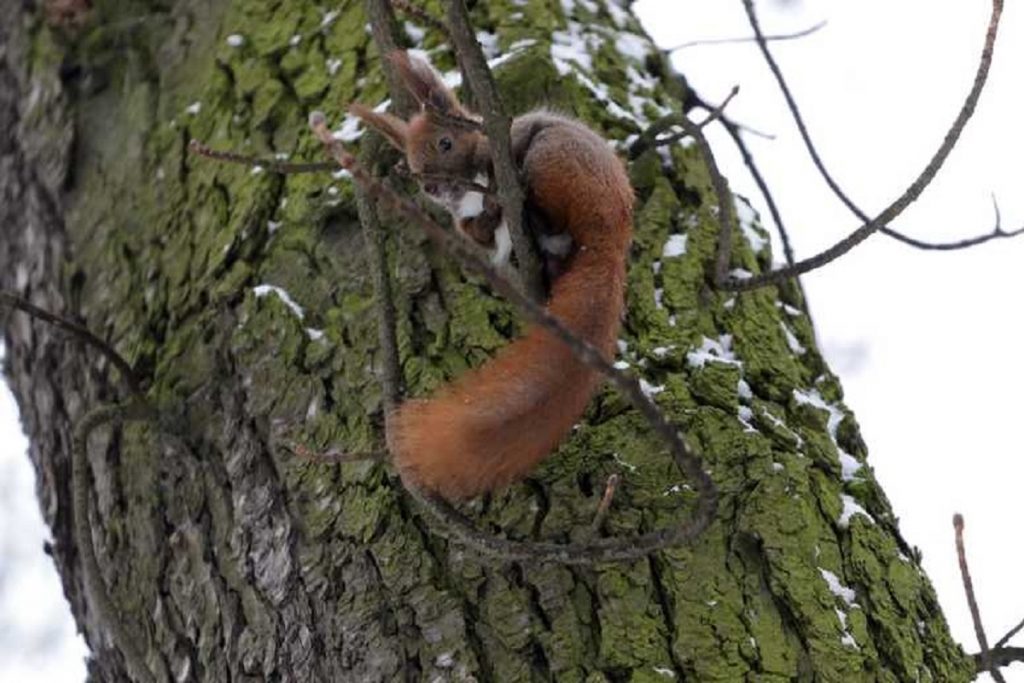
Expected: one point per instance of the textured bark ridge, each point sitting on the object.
(245, 297)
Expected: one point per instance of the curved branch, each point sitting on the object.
(76, 331)
(912, 192)
(458, 526)
(820, 164)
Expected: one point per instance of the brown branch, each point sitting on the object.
(606, 503)
(272, 165)
(972, 602)
(455, 524)
(999, 657)
(1009, 634)
(78, 332)
(497, 125)
(820, 164)
(748, 160)
(776, 38)
(421, 14)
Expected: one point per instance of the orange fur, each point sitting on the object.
(493, 425)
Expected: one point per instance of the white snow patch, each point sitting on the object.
(741, 273)
(662, 351)
(743, 390)
(272, 226)
(620, 365)
(314, 334)
(295, 39)
(835, 417)
(329, 18)
(622, 344)
(747, 217)
(746, 415)
(675, 246)
(719, 350)
(850, 508)
(848, 595)
(257, 170)
(415, 33)
(263, 290)
(650, 390)
(194, 108)
(333, 64)
(235, 40)
(659, 295)
(668, 673)
(794, 344)
(489, 43)
(633, 46)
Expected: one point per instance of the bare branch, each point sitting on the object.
(776, 38)
(421, 14)
(1000, 657)
(456, 525)
(497, 125)
(78, 332)
(272, 165)
(1009, 634)
(820, 164)
(972, 602)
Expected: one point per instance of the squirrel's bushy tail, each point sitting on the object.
(494, 424)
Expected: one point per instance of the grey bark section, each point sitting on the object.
(231, 559)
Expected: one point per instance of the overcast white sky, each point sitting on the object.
(928, 346)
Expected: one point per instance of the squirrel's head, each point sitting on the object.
(436, 141)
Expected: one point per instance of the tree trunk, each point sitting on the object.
(228, 558)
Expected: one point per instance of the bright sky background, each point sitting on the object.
(928, 346)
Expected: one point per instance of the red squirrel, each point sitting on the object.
(493, 425)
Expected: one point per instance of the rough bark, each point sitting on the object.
(232, 560)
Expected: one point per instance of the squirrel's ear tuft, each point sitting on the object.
(425, 84)
(391, 127)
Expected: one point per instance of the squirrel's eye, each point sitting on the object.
(445, 144)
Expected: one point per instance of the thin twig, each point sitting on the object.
(606, 502)
(776, 38)
(78, 332)
(272, 165)
(457, 525)
(1009, 634)
(421, 14)
(726, 207)
(649, 138)
(497, 126)
(823, 170)
(332, 456)
(972, 602)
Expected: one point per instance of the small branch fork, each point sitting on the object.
(881, 221)
(990, 660)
